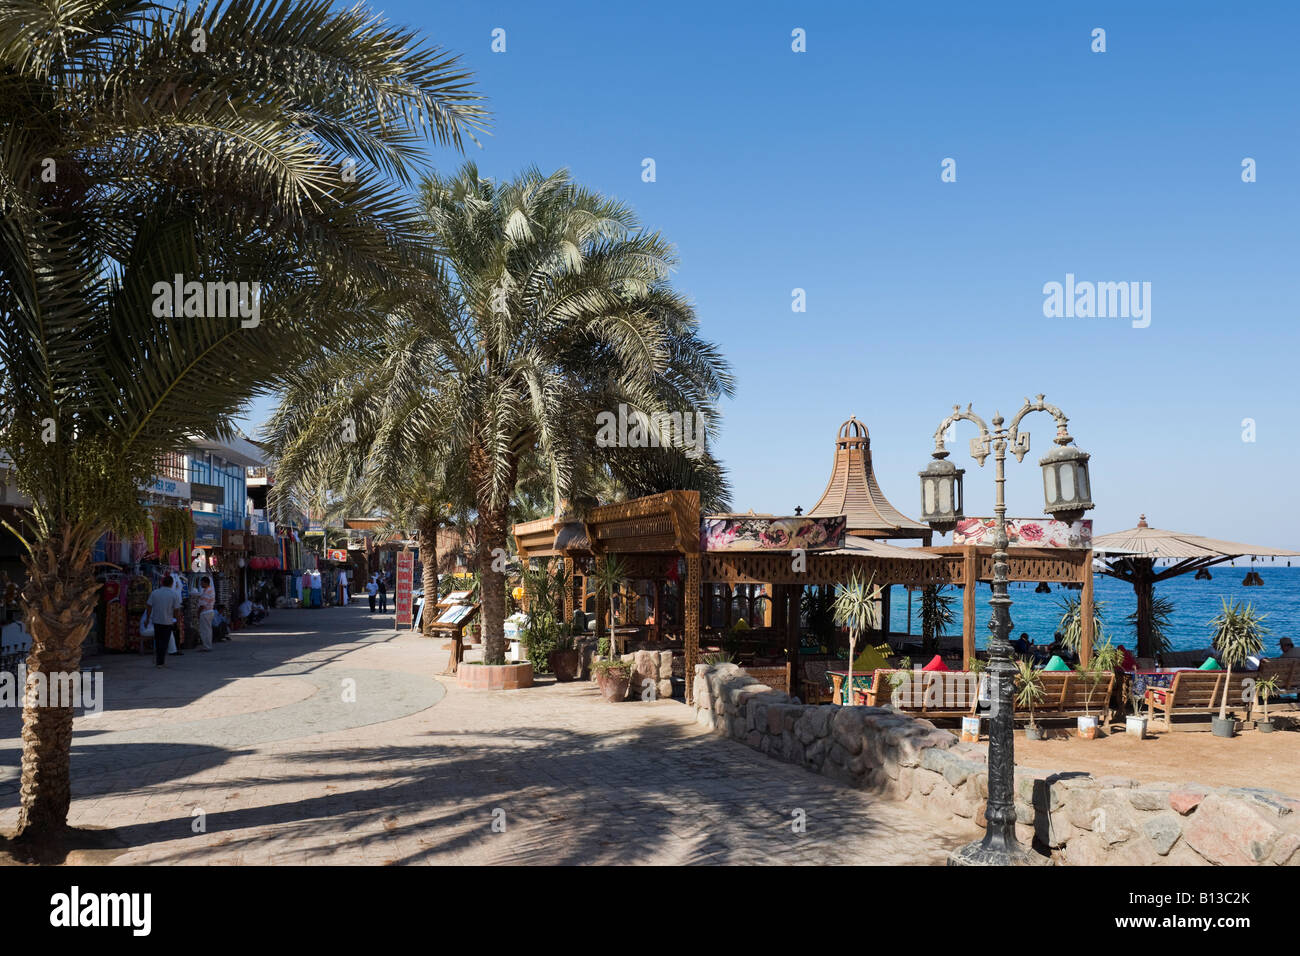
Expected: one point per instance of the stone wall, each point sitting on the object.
(1075, 817)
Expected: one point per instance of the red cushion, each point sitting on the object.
(935, 665)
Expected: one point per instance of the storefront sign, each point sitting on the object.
(207, 494)
(337, 554)
(234, 540)
(771, 534)
(1026, 533)
(405, 588)
(207, 530)
(169, 488)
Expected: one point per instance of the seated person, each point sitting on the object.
(1021, 644)
(1127, 661)
(1288, 648)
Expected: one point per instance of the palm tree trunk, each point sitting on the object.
(429, 557)
(492, 583)
(59, 603)
(1223, 704)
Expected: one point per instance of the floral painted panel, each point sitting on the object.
(1026, 533)
(771, 534)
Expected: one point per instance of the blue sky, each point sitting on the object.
(820, 170)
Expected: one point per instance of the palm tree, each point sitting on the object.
(1070, 626)
(250, 142)
(608, 577)
(936, 616)
(857, 609)
(551, 306)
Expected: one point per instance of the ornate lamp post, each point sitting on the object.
(1066, 490)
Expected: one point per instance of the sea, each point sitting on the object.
(1195, 605)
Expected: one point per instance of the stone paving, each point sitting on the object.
(322, 736)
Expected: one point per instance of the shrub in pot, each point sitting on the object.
(1238, 634)
(1104, 660)
(1135, 723)
(613, 678)
(1264, 691)
(1029, 691)
(565, 659)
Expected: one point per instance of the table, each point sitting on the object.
(861, 682)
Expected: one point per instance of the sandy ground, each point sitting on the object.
(1250, 759)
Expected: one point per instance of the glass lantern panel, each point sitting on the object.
(1049, 484)
(1083, 483)
(927, 490)
(945, 497)
(1067, 483)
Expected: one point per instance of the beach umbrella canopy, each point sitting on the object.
(1131, 556)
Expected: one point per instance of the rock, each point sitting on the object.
(664, 689)
(753, 739)
(1147, 798)
(1286, 852)
(776, 718)
(1186, 799)
(1230, 832)
(1163, 829)
(1270, 801)
(925, 782)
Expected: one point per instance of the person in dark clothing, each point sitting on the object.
(383, 594)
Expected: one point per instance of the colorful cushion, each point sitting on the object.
(1056, 664)
(936, 664)
(1210, 665)
(869, 660)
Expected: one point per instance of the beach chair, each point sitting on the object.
(1066, 694)
(1199, 692)
(813, 686)
(927, 694)
(1287, 672)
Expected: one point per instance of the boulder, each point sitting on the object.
(1187, 798)
(1163, 830)
(1230, 832)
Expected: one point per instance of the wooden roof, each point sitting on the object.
(663, 523)
(854, 492)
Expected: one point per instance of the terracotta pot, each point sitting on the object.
(565, 665)
(613, 685)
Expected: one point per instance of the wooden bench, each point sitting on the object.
(777, 678)
(1199, 692)
(813, 687)
(926, 693)
(1066, 694)
(1285, 669)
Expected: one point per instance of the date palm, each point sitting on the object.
(247, 141)
(549, 304)
(857, 607)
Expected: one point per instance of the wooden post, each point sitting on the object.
(658, 610)
(970, 572)
(884, 610)
(568, 591)
(602, 601)
(1085, 612)
(691, 588)
(793, 602)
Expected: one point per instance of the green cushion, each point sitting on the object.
(1210, 665)
(869, 660)
(1056, 664)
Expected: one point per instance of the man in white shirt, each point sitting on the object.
(343, 587)
(372, 590)
(207, 604)
(162, 612)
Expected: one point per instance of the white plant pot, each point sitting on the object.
(1087, 727)
(970, 729)
(1136, 726)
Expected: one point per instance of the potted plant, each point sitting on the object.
(607, 578)
(1265, 690)
(613, 677)
(1238, 633)
(565, 660)
(855, 608)
(1134, 723)
(1104, 660)
(1029, 691)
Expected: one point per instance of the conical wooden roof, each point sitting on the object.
(1148, 542)
(854, 492)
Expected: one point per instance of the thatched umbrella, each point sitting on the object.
(1132, 555)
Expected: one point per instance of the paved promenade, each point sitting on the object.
(320, 737)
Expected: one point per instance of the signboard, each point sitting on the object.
(169, 488)
(337, 554)
(234, 540)
(455, 613)
(455, 597)
(207, 494)
(405, 588)
(1026, 533)
(771, 534)
(207, 530)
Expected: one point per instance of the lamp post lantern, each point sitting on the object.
(1067, 496)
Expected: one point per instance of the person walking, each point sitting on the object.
(383, 595)
(162, 611)
(207, 606)
(372, 589)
